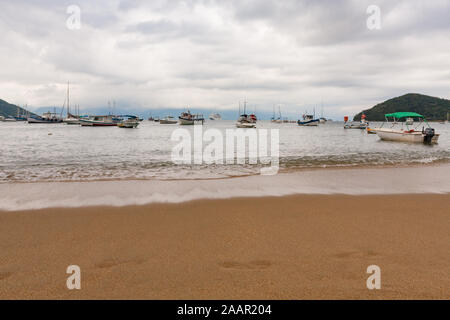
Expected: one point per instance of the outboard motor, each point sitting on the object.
(429, 134)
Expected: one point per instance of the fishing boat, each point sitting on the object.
(362, 124)
(245, 121)
(100, 121)
(130, 122)
(308, 121)
(187, 119)
(48, 117)
(405, 133)
(168, 120)
(215, 116)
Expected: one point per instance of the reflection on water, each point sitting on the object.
(29, 153)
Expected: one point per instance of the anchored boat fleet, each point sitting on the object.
(399, 126)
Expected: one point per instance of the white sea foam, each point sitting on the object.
(425, 179)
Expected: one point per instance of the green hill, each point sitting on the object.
(431, 107)
(10, 110)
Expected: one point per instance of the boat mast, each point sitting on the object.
(68, 101)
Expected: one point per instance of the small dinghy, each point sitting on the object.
(362, 125)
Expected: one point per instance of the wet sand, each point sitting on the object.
(295, 247)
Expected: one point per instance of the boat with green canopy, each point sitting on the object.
(408, 131)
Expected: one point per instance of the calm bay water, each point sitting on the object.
(73, 153)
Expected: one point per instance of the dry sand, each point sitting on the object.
(296, 247)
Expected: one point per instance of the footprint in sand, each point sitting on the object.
(109, 263)
(252, 265)
(4, 275)
(355, 254)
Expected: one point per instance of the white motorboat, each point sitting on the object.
(362, 124)
(397, 132)
(168, 120)
(215, 116)
(100, 121)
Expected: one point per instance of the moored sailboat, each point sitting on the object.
(245, 121)
(70, 119)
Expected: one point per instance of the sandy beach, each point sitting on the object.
(293, 247)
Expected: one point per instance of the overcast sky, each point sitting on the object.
(211, 54)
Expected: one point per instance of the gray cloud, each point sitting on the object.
(203, 53)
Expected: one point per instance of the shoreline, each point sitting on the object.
(430, 179)
(290, 247)
(285, 170)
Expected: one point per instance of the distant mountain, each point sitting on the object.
(10, 110)
(431, 107)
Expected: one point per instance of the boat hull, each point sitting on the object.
(91, 123)
(186, 122)
(128, 125)
(245, 125)
(401, 136)
(308, 123)
(71, 121)
(168, 121)
(46, 121)
(356, 126)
